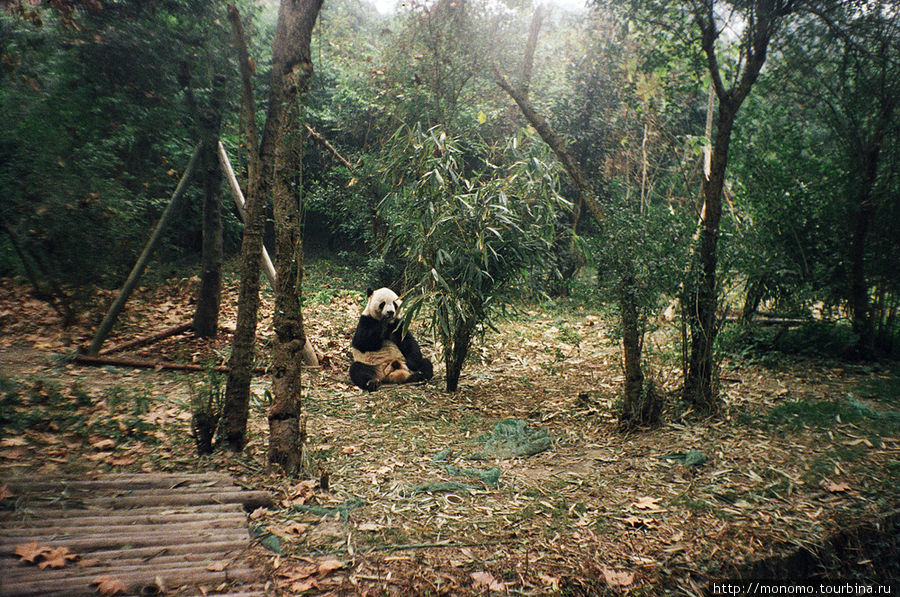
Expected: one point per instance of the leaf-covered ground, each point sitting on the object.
(806, 455)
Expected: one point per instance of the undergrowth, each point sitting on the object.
(767, 345)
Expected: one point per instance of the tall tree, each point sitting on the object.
(273, 166)
(293, 63)
(757, 22)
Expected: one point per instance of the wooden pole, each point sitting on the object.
(309, 353)
(141, 264)
(239, 201)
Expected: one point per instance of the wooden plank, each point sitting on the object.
(136, 528)
(126, 480)
(250, 499)
(141, 582)
(128, 517)
(34, 513)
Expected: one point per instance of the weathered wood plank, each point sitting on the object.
(141, 529)
(31, 513)
(138, 582)
(235, 513)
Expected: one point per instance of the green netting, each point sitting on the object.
(511, 438)
(265, 538)
(689, 458)
(490, 476)
(439, 486)
(343, 509)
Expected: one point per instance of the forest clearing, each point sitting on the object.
(449, 297)
(804, 454)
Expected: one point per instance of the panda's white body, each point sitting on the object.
(381, 352)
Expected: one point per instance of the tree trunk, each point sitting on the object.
(293, 65)
(640, 405)
(455, 356)
(206, 315)
(860, 312)
(699, 387)
(237, 391)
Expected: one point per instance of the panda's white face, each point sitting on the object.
(384, 304)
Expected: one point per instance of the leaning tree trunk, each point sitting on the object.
(237, 391)
(293, 64)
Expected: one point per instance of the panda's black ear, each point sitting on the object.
(369, 291)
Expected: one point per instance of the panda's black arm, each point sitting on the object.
(411, 351)
(369, 335)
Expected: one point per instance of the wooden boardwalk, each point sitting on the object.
(156, 534)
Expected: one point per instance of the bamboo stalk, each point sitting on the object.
(124, 480)
(137, 499)
(51, 513)
(124, 558)
(150, 553)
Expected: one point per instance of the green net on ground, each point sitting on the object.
(689, 458)
(511, 438)
(490, 476)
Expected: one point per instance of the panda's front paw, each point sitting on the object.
(372, 385)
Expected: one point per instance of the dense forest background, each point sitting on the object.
(675, 216)
(98, 128)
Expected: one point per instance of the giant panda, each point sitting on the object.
(381, 352)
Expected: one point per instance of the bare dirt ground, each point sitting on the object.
(805, 452)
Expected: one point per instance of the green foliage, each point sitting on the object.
(803, 189)
(98, 133)
(770, 343)
(883, 386)
(471, 233)
(827, 413)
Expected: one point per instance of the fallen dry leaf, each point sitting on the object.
(637, 521)
(647, 503)
(303, 585)
(102, 444)
(618, 578)
(296, 528)
(486, 579)
(57, 558)
(329, 565)
(109, 585)
(369, 526)
(837, 487)
(217, 566)
(29, 552)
